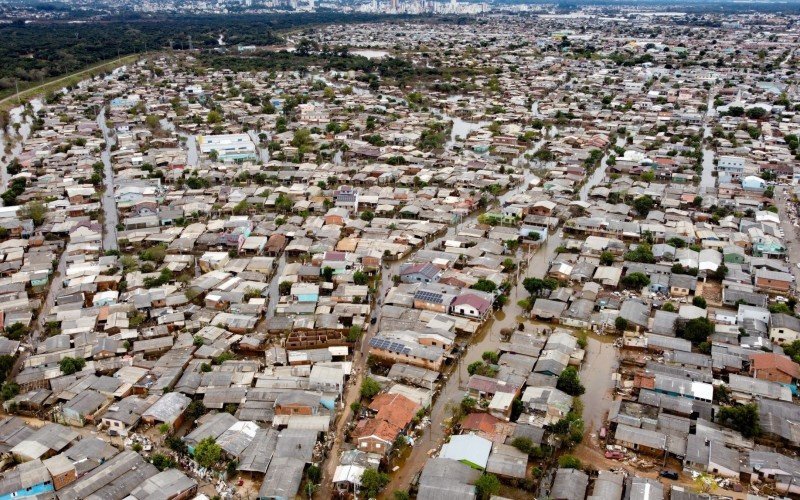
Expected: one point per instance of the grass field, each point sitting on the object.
(32, 90)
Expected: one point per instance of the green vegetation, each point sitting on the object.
(570, 382)
(207, 452)
(71, 365)
(743, 418)
(369, 388)
(695, 330)
(486, 486)
(372, 482)
(569, 462)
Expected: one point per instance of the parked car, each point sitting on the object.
(615, 455)
(669, 474)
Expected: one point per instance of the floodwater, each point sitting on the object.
(598, 175)
(370, 53)
(108, 202)
(20, 136)
(707, 180)
(488, 338)
(598, 365)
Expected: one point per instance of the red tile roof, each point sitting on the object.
(770, 361)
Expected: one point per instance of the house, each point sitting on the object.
(26, 480)
(447, 479)
(124, 415)
(784, 328)
(468, 449)
(681, 285)
(774, 368)
(569, 484)
(170, 484)
(471, 305)
(420, 273)
(773, 281)
(753, 183)
(346, 197)
(169, 409)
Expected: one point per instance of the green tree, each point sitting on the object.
(668, 307)
(71, 365)
(643, 205)
(327, 274)
(16, 331)
(569, 462)
(570, 382)
(359, 278)
(635, 280)
(486, 486)
(162, 461)
(696, 330)
(213, 117)
(285, 288)
(369, 388)
(372, 482)
(207, 452)
(621, 324)
(485, 285)
(699, 302)
(606, 258)
(35, 211)
(743, 418)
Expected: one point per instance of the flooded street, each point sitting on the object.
(108, 201)
(598, 365)
(707, 180)
(488, 338)
(17, 116)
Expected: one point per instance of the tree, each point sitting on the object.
(523, 444)
(668, 307)
(34, 210)
(372, 482)
(534, 286)
(367, 216)
(164, 428)
(570, 382)
(162, 461)
(486, 486)
(369, 388)
(621, 324)
(743, 418)
(241, 208)
(606, 258)
(643, 204)
(400, 495)
(359, 278)
(327, 274)
(354, 333)
(195, 410)
(314, 474)
(213, 117)
(696, 330)
(635, 280)
(699, 302)
(71, 365)
(285, 288)
(207, 452)
(16, 331)
(569, 462)
(485, 285)
(756, 113)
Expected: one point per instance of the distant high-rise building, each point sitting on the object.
(394, 5)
